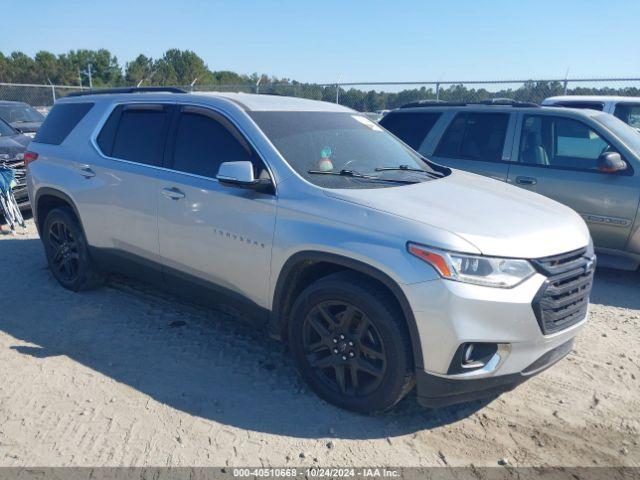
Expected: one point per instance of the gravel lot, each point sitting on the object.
(127, 375)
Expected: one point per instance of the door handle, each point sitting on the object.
(86, 171)
(526, 180)
(172, 193)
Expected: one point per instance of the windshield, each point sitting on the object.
(627, 134)
(343, 150)
(6, 130)
(20, 114)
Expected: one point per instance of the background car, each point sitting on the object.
(626, 109)
(12, 147)
(585, 159)
(21, 116)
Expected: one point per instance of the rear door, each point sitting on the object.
(118, 189)
(478, 142)
(558, 157)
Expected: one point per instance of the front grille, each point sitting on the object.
(563, 299)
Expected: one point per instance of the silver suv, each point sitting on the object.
(380, 269)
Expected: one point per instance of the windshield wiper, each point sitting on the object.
(407, 168)
(355, 174)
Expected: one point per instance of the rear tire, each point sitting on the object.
(67, 253)
(351, 344)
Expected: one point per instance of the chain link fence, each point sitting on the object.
(373, 97)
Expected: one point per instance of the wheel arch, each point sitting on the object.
(292, 280)
(47, 198)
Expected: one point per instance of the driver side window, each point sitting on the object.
(560, 142)
(205, 139)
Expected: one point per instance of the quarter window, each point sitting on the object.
(410, 127)
(560, 142)
(475, 136)
(62, 119)
(202, 143)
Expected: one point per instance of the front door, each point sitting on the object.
(558, 158)
(208, 232)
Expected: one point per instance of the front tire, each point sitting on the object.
(67, 253)
(351, 344)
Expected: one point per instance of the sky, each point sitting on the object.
(350, 40)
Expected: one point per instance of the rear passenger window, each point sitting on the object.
(138, 136)
(410, 127)
(475, 136)
(204, 141)
(62, 118)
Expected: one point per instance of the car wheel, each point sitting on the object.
(351, 344)
(67, 253)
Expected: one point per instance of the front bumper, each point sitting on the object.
(22, 197)
(436, 391)
(450, 314)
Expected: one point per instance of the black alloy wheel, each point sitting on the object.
(345, 348)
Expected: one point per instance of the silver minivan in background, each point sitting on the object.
(626, 109)
(380, 270)
(585, 159)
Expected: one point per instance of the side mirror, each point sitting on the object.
(240, 175)
(611, 162)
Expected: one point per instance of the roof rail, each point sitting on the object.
(508, 101)
(502, 102)
(432, 103)
(104, 91)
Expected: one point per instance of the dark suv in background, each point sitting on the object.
(12, 147)
(21, 116)
(586, 159)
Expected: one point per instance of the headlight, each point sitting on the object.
(479, 270)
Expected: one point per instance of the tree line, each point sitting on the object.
(175, 67)
(184, 68)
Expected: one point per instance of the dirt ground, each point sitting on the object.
(127, 375)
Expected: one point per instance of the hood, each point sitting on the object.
(26, 127)
(497, 218)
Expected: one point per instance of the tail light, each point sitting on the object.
(30, 157)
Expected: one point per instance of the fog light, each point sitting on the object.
(476, 355)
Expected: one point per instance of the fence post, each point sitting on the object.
(337, 93)
(53, 93)
(566, 83)
(437, 91)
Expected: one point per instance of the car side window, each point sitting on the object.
(135, 133)
(560, 142)
(410, 127)
(204, 140)
(590, 105)
(475, 136)
(629, 113)
(62, 119)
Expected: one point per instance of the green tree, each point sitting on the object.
(22, 68)
(181, 67)
(5, 69)
(47, 69)
(141, 69)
